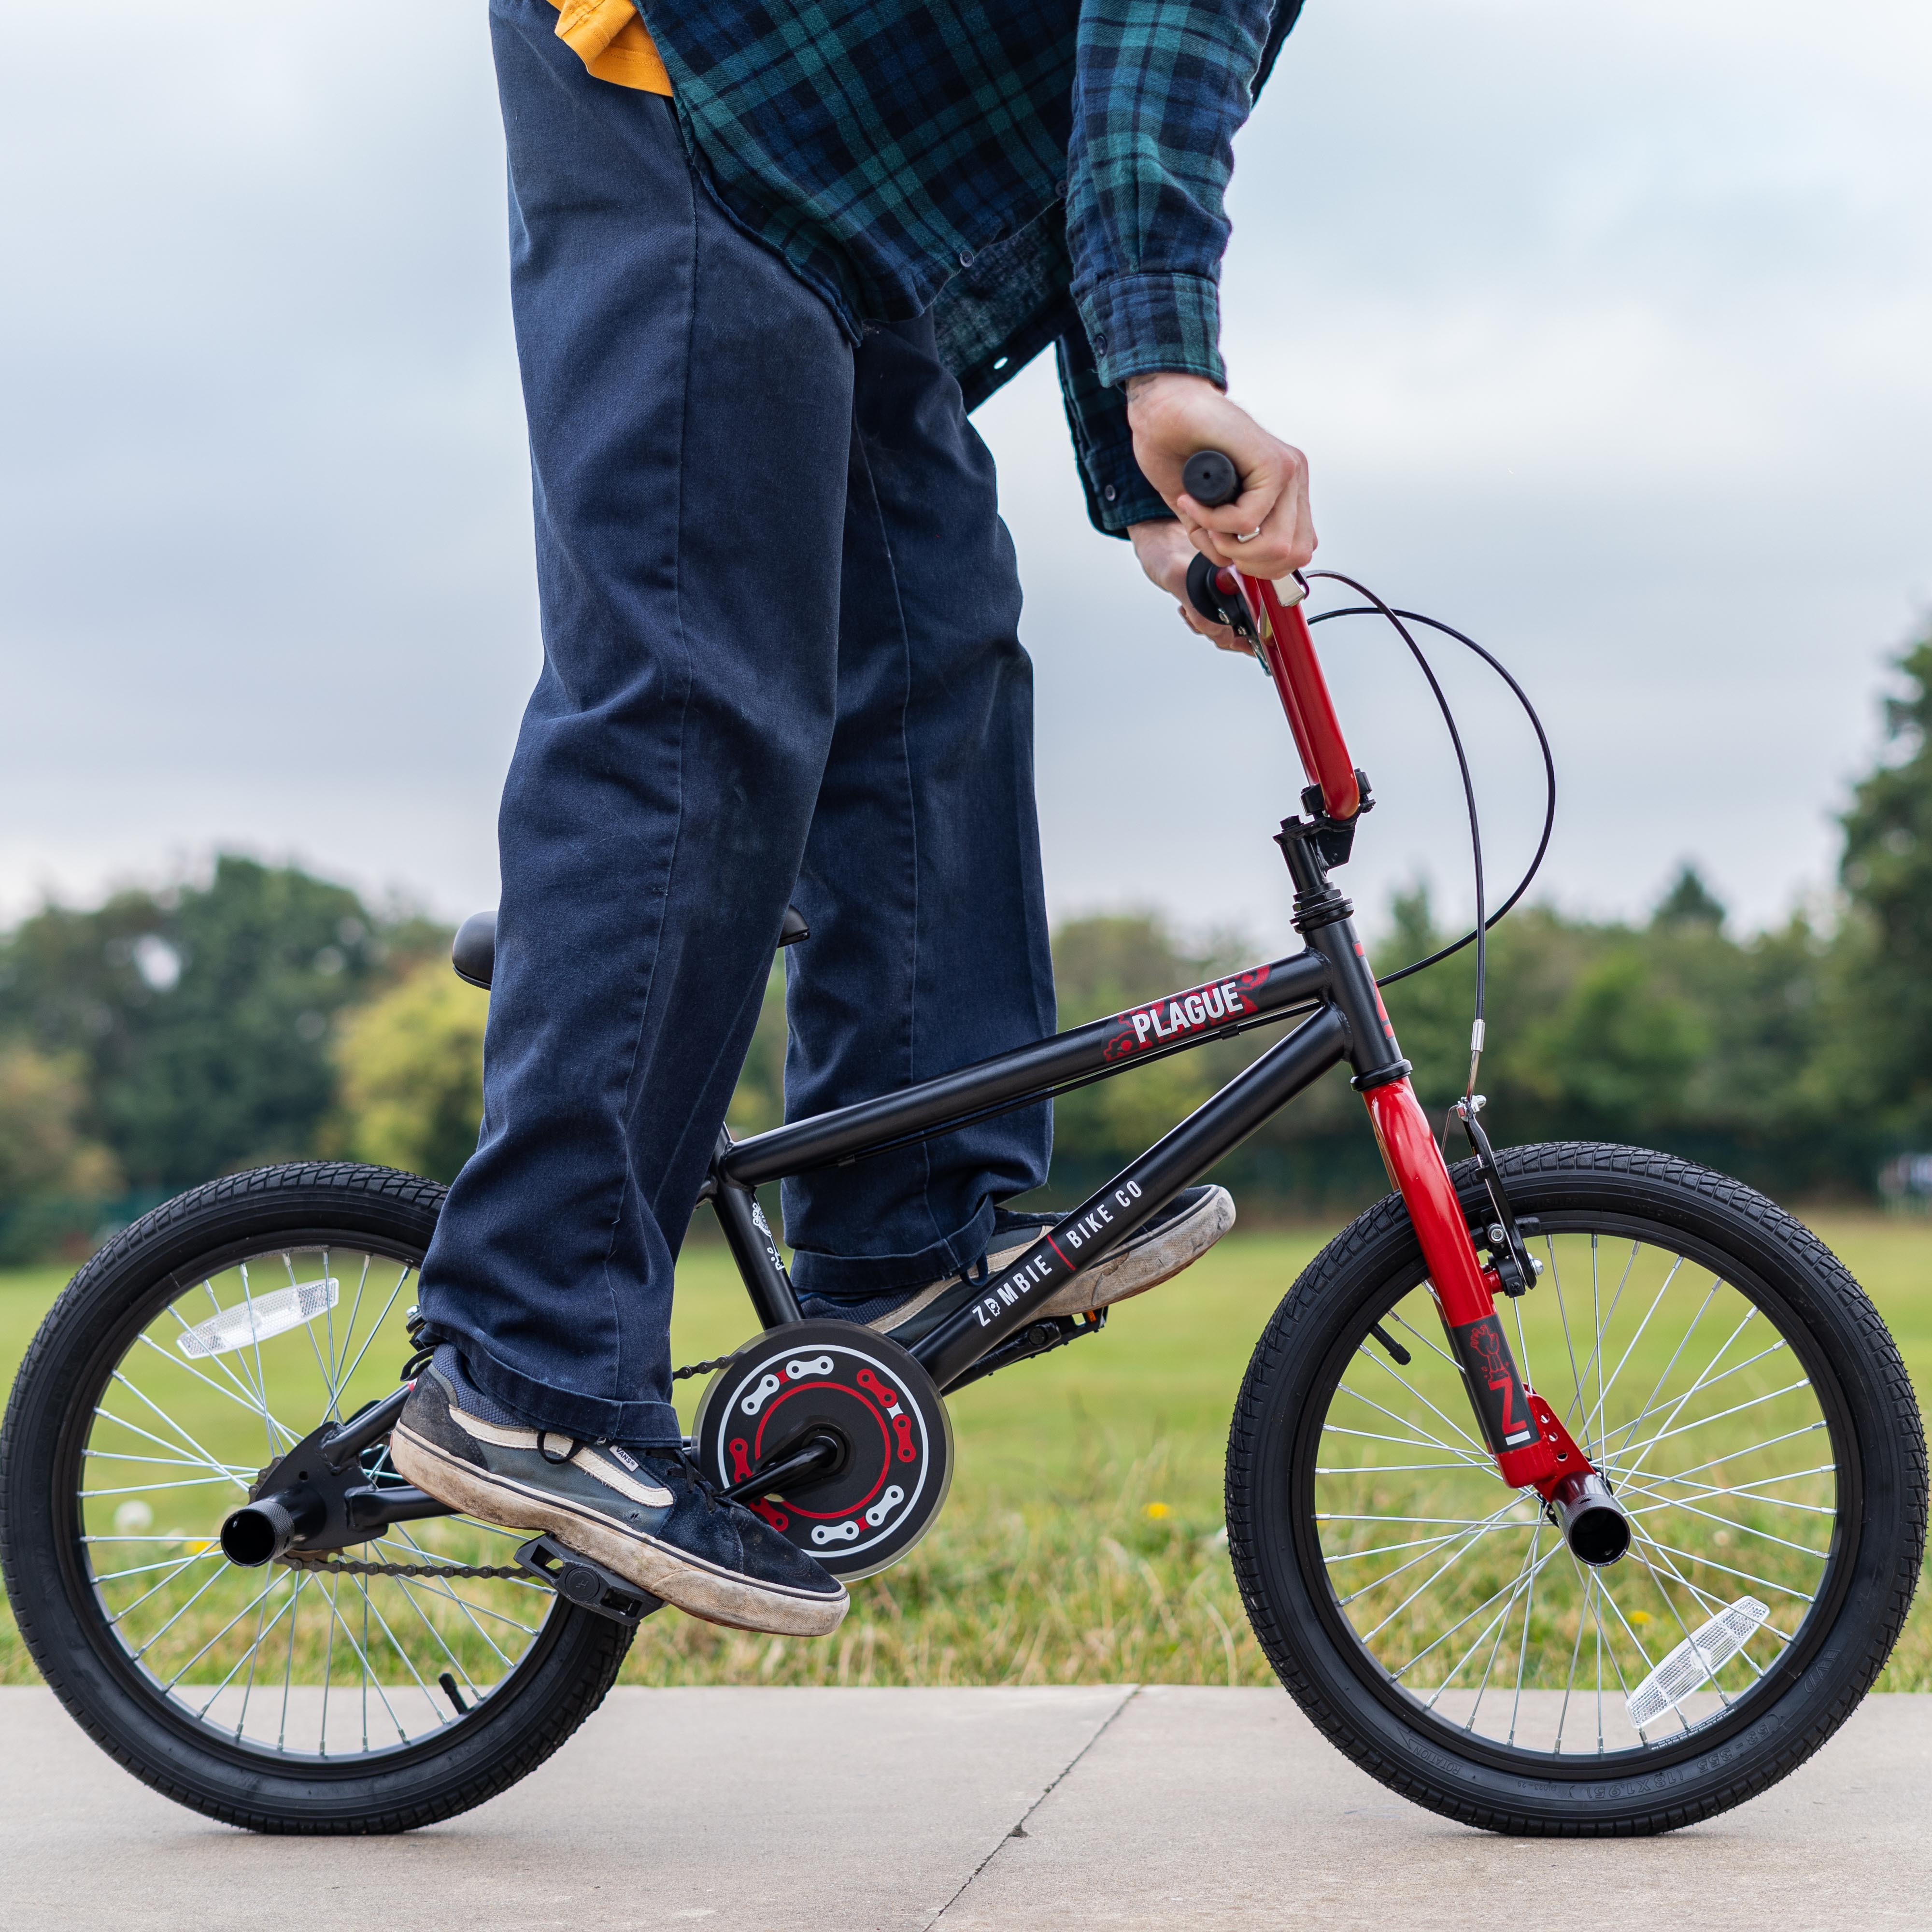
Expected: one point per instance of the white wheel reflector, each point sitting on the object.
(256, 1320)
(1695, 1661)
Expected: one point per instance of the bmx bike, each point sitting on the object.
(1574, 1490)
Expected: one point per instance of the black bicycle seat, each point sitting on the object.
(473, 952)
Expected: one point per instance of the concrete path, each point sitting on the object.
(1067, 1809)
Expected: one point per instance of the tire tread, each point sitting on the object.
(297, 1194)
(1280, 1343)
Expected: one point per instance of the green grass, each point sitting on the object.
(1081, 1542)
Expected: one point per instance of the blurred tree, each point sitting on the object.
(1887, 872)
(1614, 1061)
(1689, 902)
(759, 1101)
(201, 1016)
(411, 1062)
(1102, 965)
(43, 1153)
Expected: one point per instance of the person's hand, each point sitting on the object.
(1165, 550)
(1172, 416)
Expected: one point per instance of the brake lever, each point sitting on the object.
(1206, 597)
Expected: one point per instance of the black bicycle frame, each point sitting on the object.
(1330, 980)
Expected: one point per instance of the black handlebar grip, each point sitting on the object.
(1210, 479)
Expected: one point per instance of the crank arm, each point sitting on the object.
(817, 1455)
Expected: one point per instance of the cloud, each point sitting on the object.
(1604, 330)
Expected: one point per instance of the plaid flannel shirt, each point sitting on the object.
(1034, 171)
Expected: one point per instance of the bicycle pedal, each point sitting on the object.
(591, 1587)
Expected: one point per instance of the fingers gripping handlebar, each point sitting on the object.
(1268, 615)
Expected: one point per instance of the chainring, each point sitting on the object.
(874, 1398)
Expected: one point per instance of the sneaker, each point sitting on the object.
(644, 1513)
(1178, 1236)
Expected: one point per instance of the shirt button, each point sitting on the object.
(1100, 342)
(965, 258)
(1110, 493)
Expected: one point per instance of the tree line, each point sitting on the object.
(260, 1014)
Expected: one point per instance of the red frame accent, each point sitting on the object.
(1465, 1290)
(1289, 649)
(1569, 1459)
(1462, 1285)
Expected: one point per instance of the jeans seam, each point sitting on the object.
(628, 1185)
(925, 1148)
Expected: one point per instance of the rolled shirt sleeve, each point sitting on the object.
(1160, 88)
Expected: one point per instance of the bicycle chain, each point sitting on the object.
(701, 1368)
(352, 1566)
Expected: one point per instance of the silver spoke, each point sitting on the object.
(1630, 1349)
(163, 1416)
(174, 1570)
(1704, 1421)
(349, 1326)
(1467, 1539)
(1426, 1440)
(150, 1489)
(1661, 1348)
(1711, 1563)
(174, 1430)
(1455, 1556)
(1569, 1345)
(1514, 1584)
(1732, 1455)
(1389, 1368)
(349, 1373)
(1731, 1523)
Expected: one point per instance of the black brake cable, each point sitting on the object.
(1485, 919)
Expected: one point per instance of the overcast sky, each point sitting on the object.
(1606, 331)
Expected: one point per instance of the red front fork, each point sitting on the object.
(1532, 1448)
(1464, 1289)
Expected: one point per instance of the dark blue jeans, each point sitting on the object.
(780, 665)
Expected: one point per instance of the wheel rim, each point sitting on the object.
(210, 1383)
(1723, 1437)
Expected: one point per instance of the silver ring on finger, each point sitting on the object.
(1251, 535)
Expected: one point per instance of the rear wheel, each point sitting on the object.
(384, 1686)
(1751, 1414)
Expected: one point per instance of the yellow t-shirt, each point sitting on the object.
(609, 38)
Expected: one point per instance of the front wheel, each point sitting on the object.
(1744, 1400)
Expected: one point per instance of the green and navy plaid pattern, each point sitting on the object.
(1033, 170)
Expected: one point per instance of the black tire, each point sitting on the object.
(558, 1678)
(1348, 1640)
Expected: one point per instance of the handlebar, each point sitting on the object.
(1279, 633)
(1210, 479)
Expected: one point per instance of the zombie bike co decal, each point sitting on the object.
(1051, 1258)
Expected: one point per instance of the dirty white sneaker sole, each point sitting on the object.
(616, 1516)
(1144, 1261)
(1197, 1219)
